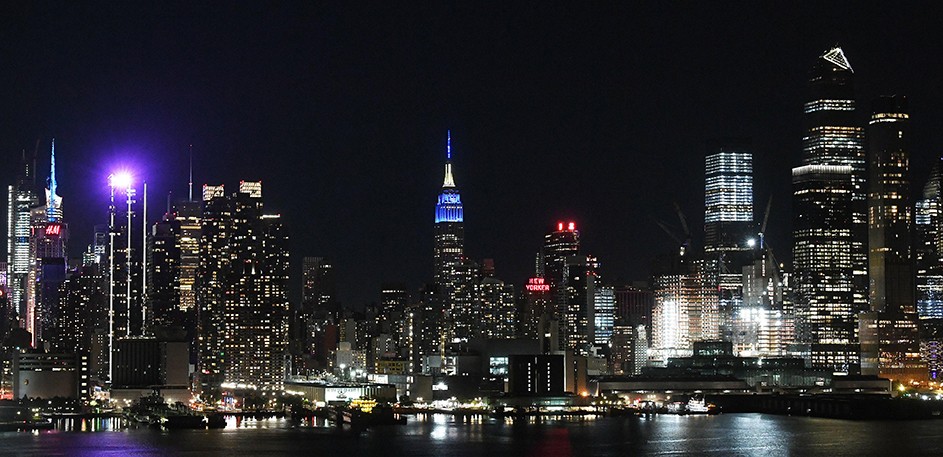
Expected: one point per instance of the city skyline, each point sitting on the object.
(493, 160)
(410, 229)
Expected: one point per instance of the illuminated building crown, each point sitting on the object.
(449, 207)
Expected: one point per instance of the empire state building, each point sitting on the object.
(452, 275)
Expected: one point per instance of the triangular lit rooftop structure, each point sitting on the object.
(837, 57)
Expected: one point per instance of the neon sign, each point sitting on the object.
(53, 230)
(570, 226)
(537, 285)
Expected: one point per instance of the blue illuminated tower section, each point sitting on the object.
(449, 208)
(452, 277)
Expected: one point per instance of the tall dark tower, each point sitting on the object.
(889, 335)
(452, 277)
(890, 257)
(830, 229)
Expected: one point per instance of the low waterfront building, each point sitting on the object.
(322, 393)
(48, 375)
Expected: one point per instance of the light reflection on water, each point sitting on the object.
(726, 434)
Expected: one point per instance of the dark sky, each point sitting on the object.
(591, 112)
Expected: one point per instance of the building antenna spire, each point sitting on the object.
(191, 173)
(449, 180)
(51, 203)
(52, 169)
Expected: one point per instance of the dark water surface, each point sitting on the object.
(724, 435)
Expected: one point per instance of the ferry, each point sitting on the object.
(700, 406)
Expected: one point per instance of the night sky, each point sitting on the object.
(592, 113)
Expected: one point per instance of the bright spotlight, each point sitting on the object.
(120, 180)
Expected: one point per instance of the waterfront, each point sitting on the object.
(726, 434)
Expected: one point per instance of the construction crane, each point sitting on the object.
(685, 241)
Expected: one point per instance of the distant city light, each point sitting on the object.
(751, 242)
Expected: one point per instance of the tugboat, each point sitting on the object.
(215, 420)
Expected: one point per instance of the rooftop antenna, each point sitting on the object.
(191, 173)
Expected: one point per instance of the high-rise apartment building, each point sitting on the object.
(495, 301)
(392, 318)
(242, 299)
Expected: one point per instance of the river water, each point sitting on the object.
(723, 435)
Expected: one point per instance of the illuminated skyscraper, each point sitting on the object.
(21, 198)
(830, 230)
(728, 196)
(452, 274)
(559, 245)
(580, 282)
(604, 315)
(822, 259)
(242, 300)
(927, 228)
(189, 215)
(833, 136)
(47, 251)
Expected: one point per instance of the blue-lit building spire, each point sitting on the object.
(53, 201)
(449, 207)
